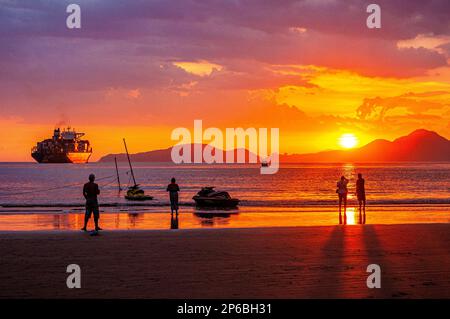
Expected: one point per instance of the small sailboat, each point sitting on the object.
(134, 192)
(264, 163)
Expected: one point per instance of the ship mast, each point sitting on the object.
(129, 162)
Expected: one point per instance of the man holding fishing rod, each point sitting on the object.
(90, 192)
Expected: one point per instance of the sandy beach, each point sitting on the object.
(284, 262)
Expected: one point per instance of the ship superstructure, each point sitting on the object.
(64, 147)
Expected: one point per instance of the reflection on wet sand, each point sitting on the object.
(362, 218)
(351, 217)
(134, 218)
(244, 217)
(209, 217)
(58, 221)
(174, 221)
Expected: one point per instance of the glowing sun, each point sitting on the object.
(348, 140)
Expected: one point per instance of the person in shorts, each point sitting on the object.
(173, 190)
(90, 192)
(361, 193)
(342, 192)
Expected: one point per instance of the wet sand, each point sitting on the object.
(284, 262)
(244, 217)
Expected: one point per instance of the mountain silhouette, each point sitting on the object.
(164, 155)
(419, 146)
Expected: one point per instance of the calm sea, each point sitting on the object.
(294, 184)
(30, 188)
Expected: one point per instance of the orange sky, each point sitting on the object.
(314, 76)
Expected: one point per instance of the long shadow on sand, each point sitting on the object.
(330, 266)
(377, 255)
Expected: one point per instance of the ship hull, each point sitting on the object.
(78, 158)
(71, 157)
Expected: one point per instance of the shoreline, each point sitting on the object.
(243, 204)
(240, 218)
(206, 229)
(280, 262)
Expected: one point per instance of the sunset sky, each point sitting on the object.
(139, 69)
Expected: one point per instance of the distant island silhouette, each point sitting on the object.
(419, 146)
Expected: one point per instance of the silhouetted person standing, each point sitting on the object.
(90, 192)
(342, 192)
(173, 190)
(361, 193)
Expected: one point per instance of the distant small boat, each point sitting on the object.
(134, 192)
(207, 196)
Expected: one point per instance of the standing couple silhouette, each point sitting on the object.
(342, 192)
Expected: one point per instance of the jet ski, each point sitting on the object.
(207, 196)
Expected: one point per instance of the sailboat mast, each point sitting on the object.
(117, 172)
(129, 162)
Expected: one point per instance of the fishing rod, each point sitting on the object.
(54, 188)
